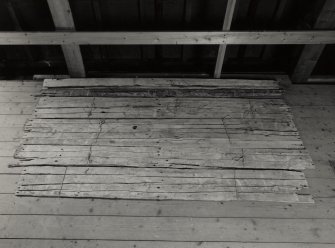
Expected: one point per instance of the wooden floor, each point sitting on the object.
(60, 222)
(243, 146)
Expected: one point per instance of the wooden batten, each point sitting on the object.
(168, 38)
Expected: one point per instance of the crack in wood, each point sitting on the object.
(200, 148)
(89, 160)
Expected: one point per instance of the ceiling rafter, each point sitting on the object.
(63, 20)
(311, 53)
(226, 26)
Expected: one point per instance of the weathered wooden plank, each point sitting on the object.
(161, 183)
(164, 92)
(271, 154)
(225, 143)
(162, 156)
(170, 134)
(130, 125)
(161, 83)
(266, 128)
(161, 142)
(163, 152)
(173, 173)
(121, 101)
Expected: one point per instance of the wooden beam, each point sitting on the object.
(311, 53)
(226, 26)
(63, 20)
(324, 79)
(167, 38)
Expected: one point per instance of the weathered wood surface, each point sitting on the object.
(150, 83)
(63, 211)
(153, 183)
(162, 148)
(183, 88)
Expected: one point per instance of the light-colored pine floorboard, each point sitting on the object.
(57, 222)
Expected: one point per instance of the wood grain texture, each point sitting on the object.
(315, 133)
(230, 9)
(182, 148)
(167, 38)
(63, 20)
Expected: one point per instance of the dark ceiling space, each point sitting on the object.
(163, 15)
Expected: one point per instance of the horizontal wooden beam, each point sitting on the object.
(167, 38)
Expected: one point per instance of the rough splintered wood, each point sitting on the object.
(240, 145)
(130, 87)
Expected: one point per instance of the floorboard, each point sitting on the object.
(313, 219)
(217, 140)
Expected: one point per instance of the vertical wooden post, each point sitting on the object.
(311, 53)
(226, 26)
(63, 20)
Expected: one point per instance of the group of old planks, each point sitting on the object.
(163, 139)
